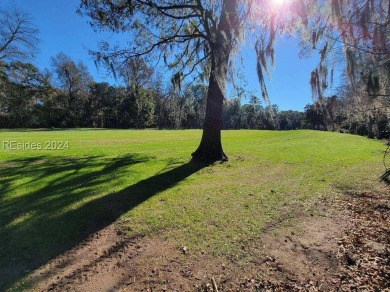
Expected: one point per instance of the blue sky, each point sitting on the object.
(61, 29)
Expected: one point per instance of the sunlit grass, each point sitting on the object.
(221, 207)
(50, 200)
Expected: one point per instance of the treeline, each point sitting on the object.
(67, 96)
(365, 116)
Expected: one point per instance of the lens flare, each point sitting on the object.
(280, 2)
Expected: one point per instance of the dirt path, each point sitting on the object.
(341, 244)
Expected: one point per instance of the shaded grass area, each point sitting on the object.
(49, 221)
(52, 200)
(48, 209)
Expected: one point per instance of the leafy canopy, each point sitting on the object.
(186, 33)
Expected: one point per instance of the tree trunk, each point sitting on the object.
(210, 147)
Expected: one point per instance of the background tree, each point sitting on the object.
(314, 117)
(25, 90)
(18, 35)
(137, 76)
(231, 115)
(159, 96)
(74, 80)
(18, 42)
(196, 97)
(102, 106)
(290, 120)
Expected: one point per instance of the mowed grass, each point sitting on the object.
(50, 200)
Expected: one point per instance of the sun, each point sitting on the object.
(280, 2)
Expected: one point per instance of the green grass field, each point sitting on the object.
(51, 200)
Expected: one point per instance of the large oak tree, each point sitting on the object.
(192, 35)
(194, 38)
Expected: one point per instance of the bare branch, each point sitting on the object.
(18, 35)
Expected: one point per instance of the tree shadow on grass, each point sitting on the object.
(61, 201)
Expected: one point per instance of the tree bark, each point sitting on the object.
(210, 147)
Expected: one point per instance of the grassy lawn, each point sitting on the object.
(50, 200)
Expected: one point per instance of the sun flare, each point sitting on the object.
(280, 2)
